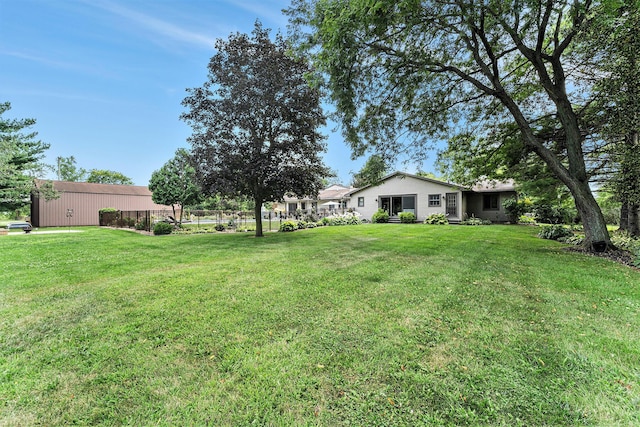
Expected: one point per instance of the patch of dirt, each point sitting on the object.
(617, 255)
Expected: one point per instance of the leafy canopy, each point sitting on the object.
(406, 73)
(174, 183)
(255, 122)
(371, 173)
(20, 156)
(68, 170)
(103, 176)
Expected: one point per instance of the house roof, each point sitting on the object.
(405, 174)
(91, 188)
(334, 192)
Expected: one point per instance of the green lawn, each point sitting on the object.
(356, 325)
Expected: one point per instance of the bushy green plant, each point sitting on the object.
(526, 219)
(437, 218)
(220, 227)
(310, 217)
(288, 226)
(572, 240)
(407, 217)
(381, 216)
(108, 216)
(513, 209)
(550, 214)
(347, 218)
(301, 225)
(623, 240)
(554, 232)
(475, 221)
(141, 225)
(311, 225)
(162, 228)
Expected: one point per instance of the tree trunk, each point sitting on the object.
(596, 235)
(634, 221)
(624, 215)
(258, 214)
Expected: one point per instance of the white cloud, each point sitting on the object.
(156, 26)
(264, 10)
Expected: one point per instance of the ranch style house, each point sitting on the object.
(405, 192)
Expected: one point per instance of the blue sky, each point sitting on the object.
(105, 78)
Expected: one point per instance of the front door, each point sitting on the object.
(452, 204)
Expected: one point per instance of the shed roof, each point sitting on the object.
(91, 188)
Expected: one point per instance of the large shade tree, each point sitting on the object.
(255, 122)
(403, 74)
(67, 170)
(372, 172)
(614, 34)
(174, 184)
(105, 176)
(20, 157)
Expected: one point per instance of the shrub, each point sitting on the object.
(475, 221)
(108, 216)
(310, 217)
(162, 228)
(572, 240)
(220, 227)
(381, 216)
(548, 214)
(347, 218)
(623, 240)
(513, 208)
(141, 225)
(554, 232)
(301, 225)
(437, 218)
(407, 217)
(526, 219)
(311, 225)
(288, 226)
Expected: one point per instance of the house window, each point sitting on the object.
(490, 202)
(434, 200)
(360, 202)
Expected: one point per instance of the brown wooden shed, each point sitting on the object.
(83, 201)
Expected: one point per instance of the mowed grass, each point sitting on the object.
(360, 325)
